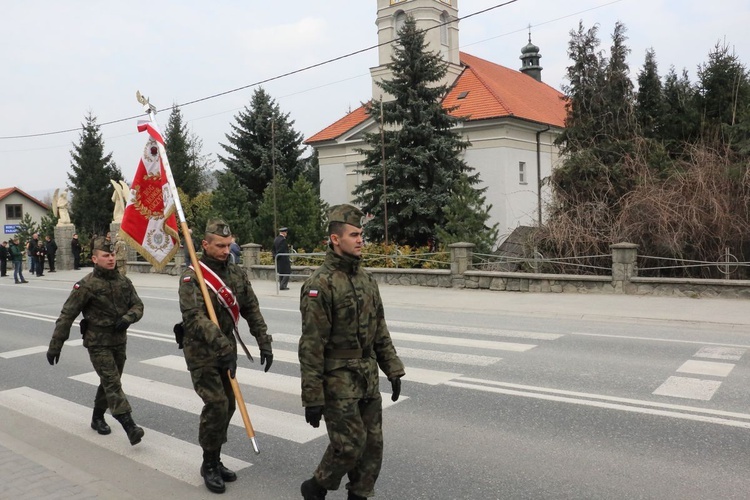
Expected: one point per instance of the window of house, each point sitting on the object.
(14, 212)
(522, 172)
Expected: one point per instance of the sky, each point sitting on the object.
(62, 60)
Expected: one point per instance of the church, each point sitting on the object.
(512, 118)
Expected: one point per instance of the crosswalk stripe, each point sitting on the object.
(475, 330)
(276, 423)
(34, 350)
(169, 455)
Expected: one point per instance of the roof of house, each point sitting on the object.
(5, 192)
(486, 90)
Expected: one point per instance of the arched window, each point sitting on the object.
(399, 20)
(444, 28)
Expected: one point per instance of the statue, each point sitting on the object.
(120, 196)
(60, 207)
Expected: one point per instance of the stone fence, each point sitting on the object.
(624, 278)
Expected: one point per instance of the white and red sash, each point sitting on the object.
(223, 293)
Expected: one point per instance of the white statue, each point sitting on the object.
(120, 196)
(60, 207)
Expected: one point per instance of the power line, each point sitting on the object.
(260, 82)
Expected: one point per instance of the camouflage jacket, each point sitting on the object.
(204, 342)
(103, 296)
(344, 334)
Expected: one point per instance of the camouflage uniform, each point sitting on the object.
(121, 252)
(344, 341)
(204, 343)
(104, 297)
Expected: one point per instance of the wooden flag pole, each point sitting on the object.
(151, 111)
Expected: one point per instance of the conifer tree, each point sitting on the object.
(681, 117)
(261, 137)
(91, 171)
(650, 105)
(230, 202)
(423, 161)
(466, 219)
(188, 165)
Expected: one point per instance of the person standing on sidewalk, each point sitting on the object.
(344, 341)
(283, 264)
(31, 247)
(211, 350)
(41, 256)
(16, 254)
(75, 247)
(4, 254)
(51, 247)
(110, 304)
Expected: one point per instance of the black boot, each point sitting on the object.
(352, 496)
(134, 432)
(311, 490)
(211, 473)
(227, 475)
(98, 423)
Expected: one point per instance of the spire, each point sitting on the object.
(530, 60)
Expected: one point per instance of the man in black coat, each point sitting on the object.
(51, 247)
(75, 246)
(283, 264)
(4, 254)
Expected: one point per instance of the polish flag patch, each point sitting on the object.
(76, 286)
(186, 279)
(312, 293)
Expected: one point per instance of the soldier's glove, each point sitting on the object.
(121, 325)
(53, 357)
(266, 357)
(313, 414)
(396, 388)
(228, 362)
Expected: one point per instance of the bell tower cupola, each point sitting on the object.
(530, 60)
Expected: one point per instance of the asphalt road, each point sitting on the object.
(496, 403)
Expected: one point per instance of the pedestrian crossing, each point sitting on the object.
(270, 417)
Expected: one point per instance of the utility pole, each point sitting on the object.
(382, 161)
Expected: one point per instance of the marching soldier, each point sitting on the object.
(344, 341)
(109, 304)
(211, 350)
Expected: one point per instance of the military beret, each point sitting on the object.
(218, 227)
(348, 214)
(104, 245)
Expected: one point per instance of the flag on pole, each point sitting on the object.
(149, 223)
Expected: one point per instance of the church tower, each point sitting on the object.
(437, 16)
(530, 61)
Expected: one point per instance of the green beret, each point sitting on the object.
(104, 245)
(218, 227)
(348, 214)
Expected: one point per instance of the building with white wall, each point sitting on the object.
(14, 203)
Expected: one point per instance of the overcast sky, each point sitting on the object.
(60, 60)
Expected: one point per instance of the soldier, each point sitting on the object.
(344, 341)
(121, 256)
(211, 350)
(109, 304)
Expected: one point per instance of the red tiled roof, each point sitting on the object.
(4, 192)
(494, 91)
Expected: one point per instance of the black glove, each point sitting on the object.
(228, 362)
(121, 325)
(396, 388)
(313, 414)
(266, 357)
(53, 357)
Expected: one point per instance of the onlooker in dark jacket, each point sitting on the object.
(40, 255)
(75, 247)
(16, 253)
(4, 254)
(51, 247)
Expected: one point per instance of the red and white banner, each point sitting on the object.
(149, 223)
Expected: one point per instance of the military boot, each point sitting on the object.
(211, 473)
(311, 490)
(98, 423)
(353, 496)
(134, 432)
(227, 475)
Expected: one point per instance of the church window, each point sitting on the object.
(444, 28)
(400, 20)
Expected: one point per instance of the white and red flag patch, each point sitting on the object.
(149, 223)
(312, 293)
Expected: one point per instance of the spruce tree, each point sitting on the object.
(91, 171)
(262, 136)
(466, 219)
(423, 161)
(188, 165)
(681, 122)
(650, 106)
(230, 202)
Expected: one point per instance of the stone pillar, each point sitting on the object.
(461, 257)
(250, 255)
(624, 266)
(64, 256)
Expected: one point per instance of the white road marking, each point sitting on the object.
(174, 457)
(475, 330)
(728, 353)
(652, 339)
(712, 368)
(688, 388)
(34, 350)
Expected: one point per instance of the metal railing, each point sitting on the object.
(538, 263)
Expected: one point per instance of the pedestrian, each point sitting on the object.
(283, 263)
(210, 350)
(51, 247)
(4, 254)
(75, 247)
(235, 252)
(186, 248)
(344, 341)
(106, 318)
(121, 256)
(41, 256)
(16, 255)
(31, 247)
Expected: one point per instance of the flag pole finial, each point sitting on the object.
(147, 106)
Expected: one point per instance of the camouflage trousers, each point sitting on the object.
(109, 361)
(215, 390)
(122, 267)
(355, 431)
